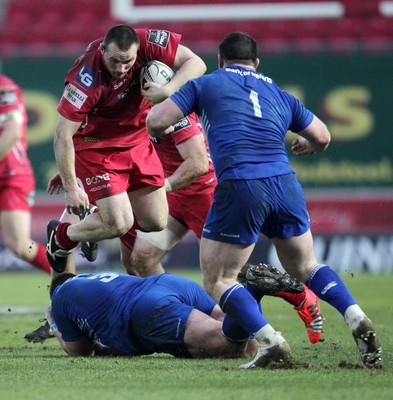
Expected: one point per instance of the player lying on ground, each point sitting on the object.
(115, 314)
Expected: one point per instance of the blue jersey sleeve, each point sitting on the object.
(186, 97)
(301, 116)
(67, 327)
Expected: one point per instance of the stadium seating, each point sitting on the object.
(62, 27)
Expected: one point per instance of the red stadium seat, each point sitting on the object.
(377, 34)
(56, 25)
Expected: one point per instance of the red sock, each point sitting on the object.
(296, 299)
(40, 261)
(62, 239)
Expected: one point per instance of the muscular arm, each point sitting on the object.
(11, 133)
(195, 164)
(162, 116)
(314, 139)
(76, 198)
(79, 348)
(83, 347)
(189, 66)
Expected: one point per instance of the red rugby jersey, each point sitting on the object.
(16, 163)
(171, 159)
(112, 111)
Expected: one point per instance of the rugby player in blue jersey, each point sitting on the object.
(246, 117)
(108, 313)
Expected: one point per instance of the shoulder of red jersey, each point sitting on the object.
(84, 78)
(86, 71)
(158, 44)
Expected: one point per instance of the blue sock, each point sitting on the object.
(231, 329)
(255, 292)
(329, 287)
(244, 311)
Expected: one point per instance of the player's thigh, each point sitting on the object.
(177, 228)
(125, 256)
(115, 210)
(150, 207)
(15, 226)
(220, 264)
(146, 254)
(297, 254)
(203, 337)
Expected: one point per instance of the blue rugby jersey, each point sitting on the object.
(100, 306)
(246, 117)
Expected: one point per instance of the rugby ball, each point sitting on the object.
(157, 72)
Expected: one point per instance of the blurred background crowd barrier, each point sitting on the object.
(335, 56)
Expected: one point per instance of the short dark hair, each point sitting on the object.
(59, 280)
(238, 47)
(122, 35)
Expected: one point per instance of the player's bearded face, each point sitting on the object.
(119, 62)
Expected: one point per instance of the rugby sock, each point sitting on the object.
(231, 329)
(62, 239)
(40, 261)
(241, 306)
(328, 286)
(296, 299)
(255, 292)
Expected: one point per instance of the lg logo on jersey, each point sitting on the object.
(96, 179)
(85, 77)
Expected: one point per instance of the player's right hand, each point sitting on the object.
(76, 201)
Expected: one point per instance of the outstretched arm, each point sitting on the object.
(75, 198)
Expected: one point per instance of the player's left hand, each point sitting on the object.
(301, 147)
(154, 93)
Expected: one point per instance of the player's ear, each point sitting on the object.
(220, 61)
(256, 63)
(102, 47)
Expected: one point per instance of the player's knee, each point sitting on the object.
(154, 226)
(20, 249)
(118, 227)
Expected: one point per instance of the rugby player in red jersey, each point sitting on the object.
(102, 148)
(17, 183)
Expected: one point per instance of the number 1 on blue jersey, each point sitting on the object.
(255, 103)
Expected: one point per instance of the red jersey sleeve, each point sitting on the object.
(159, 45)
(82, 90)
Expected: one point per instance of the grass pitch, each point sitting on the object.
(41, 371)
